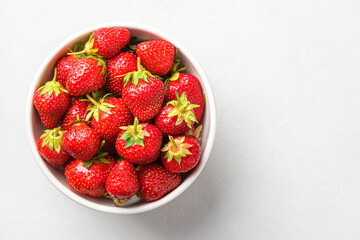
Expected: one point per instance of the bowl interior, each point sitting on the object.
(57, 177)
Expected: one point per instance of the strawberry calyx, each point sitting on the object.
(99, 156)
(176, 148)
(134, 134)
(117, 201)
(182, 109)
(96, 106)
(52, 86)
(135, 76)
(53, 137)
(195, 133)
(175, 73)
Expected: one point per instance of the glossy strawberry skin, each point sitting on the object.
(89, 181)
(122, 63)
(108, 126)
(138, 154)
(156, 55)
(109, 41)
(189, 84)
(156, 181)
(81, 141)
(51, 108)
(63, 67)
(145, 99)
(188, 162)
(167, 125)
(54, 158)
(86, 76)
(77, 108)
(122, 182)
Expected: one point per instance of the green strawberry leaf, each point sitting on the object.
(87, 164)
(139, 141)
(104, 160)
(129, 142)
(126, 135)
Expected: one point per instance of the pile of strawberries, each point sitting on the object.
(121, 117)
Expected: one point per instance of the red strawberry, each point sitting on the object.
(177, 117)
(139, 143)
(86, 75)
(122, 182)
(63, 67)
(81, 141)
(121, 64)
(77, 110)
(106, 42)
(156, 55)
(89, 177)
(51, 101)
(155, 181)
(108, 116)
(49, 146)
(180, 154)
(184, 82)
(144, 95)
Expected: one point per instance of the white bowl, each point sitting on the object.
(35, 128)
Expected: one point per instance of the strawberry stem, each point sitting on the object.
(173, 143)
(92, 100)
(136, 121)
(139, 65)
(54, 78)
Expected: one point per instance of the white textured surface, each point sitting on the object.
(286, 160)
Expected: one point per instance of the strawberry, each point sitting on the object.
(77, 111)
(139, 143)
(184, 82)
(121, 64)
(51, 101)
(144, 95)
(107, 42)
(107, 116)
(81, 141)
(122, 182)
(156, 55)
(180, 154)
(86, 75)
(177, 117)
(49, 146)
(156, 181)
(63, 67)
(89, 177)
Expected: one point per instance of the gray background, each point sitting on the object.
(285, 164)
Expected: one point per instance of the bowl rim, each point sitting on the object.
(210, 100)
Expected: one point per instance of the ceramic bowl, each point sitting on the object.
(56, 176)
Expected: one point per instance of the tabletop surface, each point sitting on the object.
(285, 163)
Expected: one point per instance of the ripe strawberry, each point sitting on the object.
(144, 95)
(89, 177)
(122, 182)
(63, 67)
(86, 75)
(106, 42)
(121, 64)
(81, 141)
(177, 117)
(51, 101)
(77, 110)
(107, 116)
(156, 55)
(180, 154)
(139, 143)
(49, 146)
(184, 82)
(156, 181)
